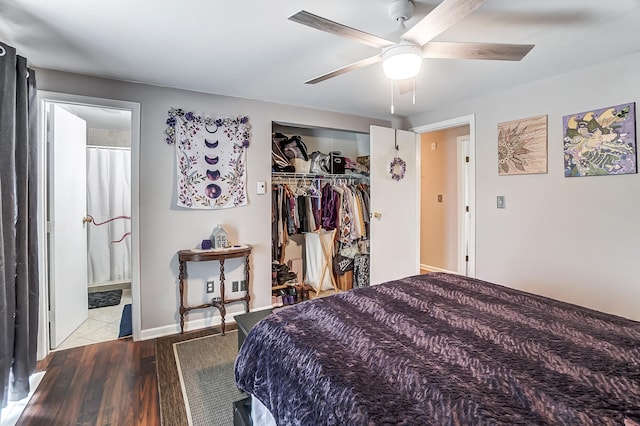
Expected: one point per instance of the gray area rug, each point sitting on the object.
(205, 366)
(195, 378)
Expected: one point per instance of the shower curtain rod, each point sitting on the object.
(125, 148)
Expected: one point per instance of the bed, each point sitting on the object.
(442, 349)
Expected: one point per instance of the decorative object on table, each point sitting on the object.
(398, 166)
(210, 159)
(219, 238)
(205, 245)
(522, 146)
(600, 142)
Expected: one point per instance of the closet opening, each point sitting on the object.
(320, 212)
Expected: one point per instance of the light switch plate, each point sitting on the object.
(261, 188)
(500, 201)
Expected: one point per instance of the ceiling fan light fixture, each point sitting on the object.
(402, 61)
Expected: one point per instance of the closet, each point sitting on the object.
(320, 212)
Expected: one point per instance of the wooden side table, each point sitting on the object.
(220, 255)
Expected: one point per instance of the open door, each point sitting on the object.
(394, 206)
(68, 236)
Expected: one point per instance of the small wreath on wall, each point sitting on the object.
(397, 168)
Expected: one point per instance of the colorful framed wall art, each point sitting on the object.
(600, 142)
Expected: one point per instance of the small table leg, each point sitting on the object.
(182, 308)
(247, 278)
(222, 308)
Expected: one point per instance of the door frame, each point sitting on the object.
(44, 98)
(469, 120)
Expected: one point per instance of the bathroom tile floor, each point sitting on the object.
(103, 324)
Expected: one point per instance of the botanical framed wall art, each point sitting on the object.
(522, 146)
(600, 142)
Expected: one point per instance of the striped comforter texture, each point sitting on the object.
(441, 349)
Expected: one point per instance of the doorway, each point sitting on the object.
(447, 201)
(90, 245)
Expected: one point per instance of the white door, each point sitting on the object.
(394, 206)
(68, 237)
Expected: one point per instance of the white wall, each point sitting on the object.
(574, 239)
(164, 228)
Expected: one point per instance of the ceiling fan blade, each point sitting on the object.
(464, 50)
(360, 64)
(439, 19)
(318, 22)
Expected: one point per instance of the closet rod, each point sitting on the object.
(317, 176)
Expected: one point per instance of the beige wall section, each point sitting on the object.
(165, 228)
(439, 220)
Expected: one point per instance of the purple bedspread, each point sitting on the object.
(442, 349)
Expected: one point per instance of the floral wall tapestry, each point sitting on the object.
(600, 142)
(522, 146)
(210, 159)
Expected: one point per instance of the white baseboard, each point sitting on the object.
(167, 330)
(436, 269)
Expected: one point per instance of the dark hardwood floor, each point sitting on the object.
(110, 383)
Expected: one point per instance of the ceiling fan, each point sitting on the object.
(402, 60)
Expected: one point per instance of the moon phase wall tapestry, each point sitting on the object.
(210, 159)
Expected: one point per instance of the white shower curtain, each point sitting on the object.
(108, 198)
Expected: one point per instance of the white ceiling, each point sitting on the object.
(248, 48)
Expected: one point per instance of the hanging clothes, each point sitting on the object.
(319, 205)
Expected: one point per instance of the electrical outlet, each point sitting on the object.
(243, 285)
(234, 286)
(210, 286)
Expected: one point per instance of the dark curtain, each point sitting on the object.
(18, 225)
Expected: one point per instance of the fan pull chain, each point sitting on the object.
(392, 107)
(414, 90)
